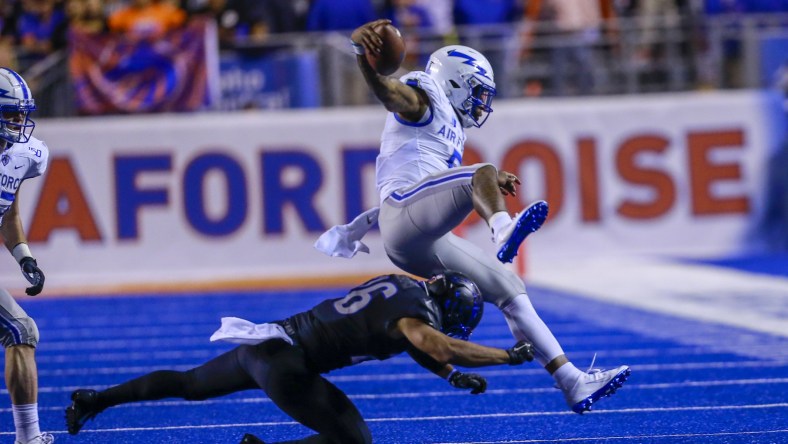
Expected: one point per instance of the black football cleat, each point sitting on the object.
(82, 408)
(251, 439)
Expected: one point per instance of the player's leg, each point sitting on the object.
(508, 232)
(437, 204)
(442, 201)
(217, 377)
(416, 240)
(20, 337)
(487, 197)
(506, 290)
(281, 371)
(414, 230)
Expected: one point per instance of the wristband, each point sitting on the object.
(358, 49)
(21, 251)
(448, 378)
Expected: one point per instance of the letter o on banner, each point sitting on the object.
(194, 196)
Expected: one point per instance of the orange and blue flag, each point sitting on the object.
(119, 74)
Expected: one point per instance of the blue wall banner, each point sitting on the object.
(774, 59)
(270, 82)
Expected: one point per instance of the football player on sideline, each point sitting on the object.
(22, 157)
(425, 193)
(381, 318)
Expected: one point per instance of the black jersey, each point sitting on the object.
(343, 331)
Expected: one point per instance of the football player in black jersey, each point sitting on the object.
(431, 320)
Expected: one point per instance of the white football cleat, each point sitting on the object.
(592, 386)
(44, 438)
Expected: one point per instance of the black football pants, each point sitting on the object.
(274, 366)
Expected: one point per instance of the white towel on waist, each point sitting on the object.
(345, 240)
(241, 331)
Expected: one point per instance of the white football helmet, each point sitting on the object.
(16, 104)
(467, 79)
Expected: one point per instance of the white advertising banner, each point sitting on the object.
(237, 200)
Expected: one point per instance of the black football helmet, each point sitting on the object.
(460, 303)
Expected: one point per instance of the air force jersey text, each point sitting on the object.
(19, 162)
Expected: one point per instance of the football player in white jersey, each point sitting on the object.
(425, 193)
(21, 157)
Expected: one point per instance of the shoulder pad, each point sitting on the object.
(37, 152)
(425, 82)
(420, 79)
(34, 149)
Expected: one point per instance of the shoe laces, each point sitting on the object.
(595, 373)
(591, 370)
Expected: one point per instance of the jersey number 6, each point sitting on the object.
(360, 297)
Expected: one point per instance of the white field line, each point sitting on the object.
(138, 370)
(640, 438)
(447, 418)
(406, 395)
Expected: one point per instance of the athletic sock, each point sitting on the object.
(566, 375)
(26, 421)
(526, 324)
(499, 221)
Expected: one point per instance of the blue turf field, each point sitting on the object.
(691, 382)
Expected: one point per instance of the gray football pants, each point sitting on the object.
(16, 327)
(416, 224)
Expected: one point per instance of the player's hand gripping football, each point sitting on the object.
(472, 381)
(33, 274)
(365, 36)
(508, 182)
(521, 352)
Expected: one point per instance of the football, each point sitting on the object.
(391, 54)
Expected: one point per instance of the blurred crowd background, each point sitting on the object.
(294, 53)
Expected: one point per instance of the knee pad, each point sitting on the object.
(18, 331)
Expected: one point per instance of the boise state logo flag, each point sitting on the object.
(119, 74)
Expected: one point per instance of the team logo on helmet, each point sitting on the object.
(470, 61)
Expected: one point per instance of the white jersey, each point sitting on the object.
(19, 162)
(410, 151)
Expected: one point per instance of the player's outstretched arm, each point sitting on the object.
(397, 97)
(464, 381)
(445, 350)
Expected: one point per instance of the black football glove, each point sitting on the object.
(521, 352)
(33, 274)
(472, 381)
